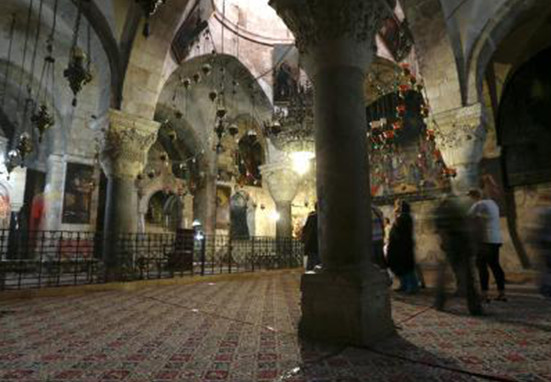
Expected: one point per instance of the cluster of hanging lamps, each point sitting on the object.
(39, 106)
(390, 122)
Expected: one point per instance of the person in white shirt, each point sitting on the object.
(486, 211)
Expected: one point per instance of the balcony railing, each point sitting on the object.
(58, 258)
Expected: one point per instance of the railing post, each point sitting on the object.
(59, 265)
(230, 253)
(253, 254)
(203, 254)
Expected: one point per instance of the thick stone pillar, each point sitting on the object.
(461, 141)
(348, 302)
(204, 204)
(123, 157)
(283, 183)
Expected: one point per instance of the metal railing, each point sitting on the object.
(59, 258)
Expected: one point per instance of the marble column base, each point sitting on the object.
(338, 309)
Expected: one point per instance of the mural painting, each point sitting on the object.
(79, 187)
(223, 195)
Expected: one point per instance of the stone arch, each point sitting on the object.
(435, 47)
(149, 60)
(510, 15)
(154, 188)
(199, 114)
(171, 207)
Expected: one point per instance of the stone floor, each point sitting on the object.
(245, 330)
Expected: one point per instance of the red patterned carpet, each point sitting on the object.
(245, 330)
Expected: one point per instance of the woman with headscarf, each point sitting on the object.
(401, 256)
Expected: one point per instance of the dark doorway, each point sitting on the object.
(524, 123)
(239, 229)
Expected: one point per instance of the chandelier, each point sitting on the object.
(291, 128)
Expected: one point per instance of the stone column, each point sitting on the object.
(349, 301)
(204, 204)
(461, 140)
(283, 183)
(53, 193)
(123, 156)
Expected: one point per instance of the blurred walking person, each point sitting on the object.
(455, 230)
(310, 240)
(401, 248)
(378, 236)
(487, 212)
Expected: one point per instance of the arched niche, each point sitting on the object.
(164, 212)
(524, 123)
(242, 216)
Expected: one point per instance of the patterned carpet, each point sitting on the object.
(245, 330)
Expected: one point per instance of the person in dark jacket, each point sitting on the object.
(458, 241)
(310, 240)
(401, 248)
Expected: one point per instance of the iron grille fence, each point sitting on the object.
(59, 258)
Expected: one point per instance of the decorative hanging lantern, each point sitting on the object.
(398, 125)
(401, 109)
(11, 161)
(431, 136)
(425, 111)
(219, 129)
(406, 71)
(76, 73)
(449, 172)
(25, 145)
(403, 89)
(213, 95)
(206, 69)
(221, 112)
(233, 130)
(149, 7)
(42, 120)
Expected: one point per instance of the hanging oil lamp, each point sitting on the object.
(42, 120)
(25, 146)
(77, 73)
(11, 161)
(149, 7)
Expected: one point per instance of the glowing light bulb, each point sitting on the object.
(301, 161)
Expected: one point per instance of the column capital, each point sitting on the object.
(330, 33)
(126, 143)
(461, 134)
(282, 181)
(461, 140)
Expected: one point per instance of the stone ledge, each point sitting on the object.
(129, 286)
